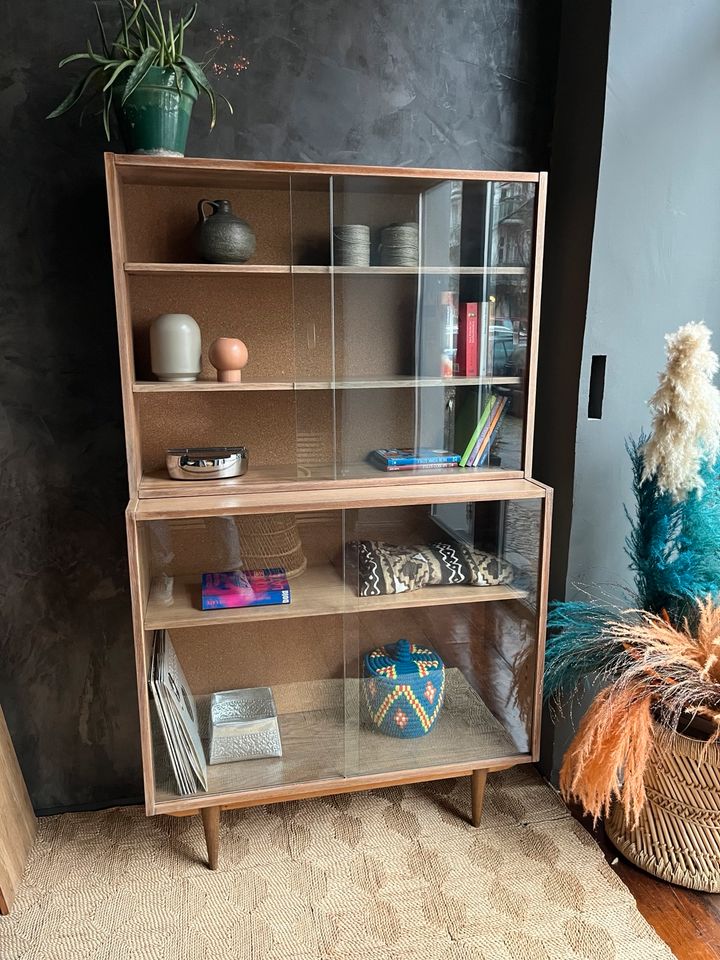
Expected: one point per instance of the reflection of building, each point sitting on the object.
(512, 216)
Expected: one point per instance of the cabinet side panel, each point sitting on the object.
(138, 560)
(122, 306)
(542, 620)
(535, 322)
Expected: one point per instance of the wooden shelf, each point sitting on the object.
(210, 386)
(318, 744)
(293, 483)
(204, 268)
(205, 171)
(287, 269)
(320, 591)
(379, 271)
(379, 383)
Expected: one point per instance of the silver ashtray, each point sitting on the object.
(243, 725)
(206, 463)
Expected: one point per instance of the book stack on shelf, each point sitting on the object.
(488, 426)
(409, 459)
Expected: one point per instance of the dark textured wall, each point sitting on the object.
(437, 83)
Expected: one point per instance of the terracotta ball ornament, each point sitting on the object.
(228, 355)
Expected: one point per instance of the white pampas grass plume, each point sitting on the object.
(686, 413)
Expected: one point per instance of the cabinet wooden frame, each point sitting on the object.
(154, 497)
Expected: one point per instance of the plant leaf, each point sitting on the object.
(95, 56)
(163, 36)
(116, 73)
(143, 65)
(151, 28)
(189, 17)
(171, 38)
(133, 25)
(201, 82)
(178, 71)
(106, 113)
(77, 91)
(74, 56)
(222, 97)
(106, 49)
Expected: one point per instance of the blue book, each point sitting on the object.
(406, 457)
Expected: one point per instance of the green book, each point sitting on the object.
(478, 430)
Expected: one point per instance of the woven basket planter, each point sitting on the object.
(271, 540)
(678, 834)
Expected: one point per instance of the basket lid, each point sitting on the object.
(402, 659)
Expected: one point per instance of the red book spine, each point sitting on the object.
(467, 342)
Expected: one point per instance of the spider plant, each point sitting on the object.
(146, 39)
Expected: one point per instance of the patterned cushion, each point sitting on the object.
(383, 568)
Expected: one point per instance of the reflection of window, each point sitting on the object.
(501, 250)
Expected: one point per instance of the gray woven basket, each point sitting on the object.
(678, 834)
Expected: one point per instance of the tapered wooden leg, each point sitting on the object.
(211, 826)
(479, 779)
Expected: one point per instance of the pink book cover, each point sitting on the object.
(244, 588)
(467, 342)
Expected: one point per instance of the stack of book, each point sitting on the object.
(409, 459)
(485, 433)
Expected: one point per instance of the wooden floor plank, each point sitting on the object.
(688, 921)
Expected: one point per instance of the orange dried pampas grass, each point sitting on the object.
(678, 667)
(614, 740)
(662, 673)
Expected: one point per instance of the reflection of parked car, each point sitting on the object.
(508, 348)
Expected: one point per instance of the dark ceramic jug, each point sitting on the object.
(222, 237)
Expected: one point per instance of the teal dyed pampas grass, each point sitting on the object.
(673, 551)
(674, 545)
(576, 646)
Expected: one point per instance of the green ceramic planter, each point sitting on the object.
(155, 118)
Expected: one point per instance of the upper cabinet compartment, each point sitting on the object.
(161, 215)
(382, 310)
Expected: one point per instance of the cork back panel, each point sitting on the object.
(194, 545)
(375, 325)
(233, 656)
(160, 220)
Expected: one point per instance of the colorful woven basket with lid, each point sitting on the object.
(404, 685)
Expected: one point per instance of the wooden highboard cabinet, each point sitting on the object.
(344, 360)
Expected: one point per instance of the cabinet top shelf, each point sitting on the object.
(229, 498)
(286, 269)
(207, 171)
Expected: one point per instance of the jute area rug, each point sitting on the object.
(397, 873)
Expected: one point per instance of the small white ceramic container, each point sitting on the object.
(175, 347)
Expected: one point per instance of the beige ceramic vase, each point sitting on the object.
(228, 355)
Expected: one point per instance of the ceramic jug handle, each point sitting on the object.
(201, 209)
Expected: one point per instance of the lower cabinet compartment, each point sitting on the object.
(409, 645)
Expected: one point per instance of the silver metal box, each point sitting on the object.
(243, 725)
(206, 463)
